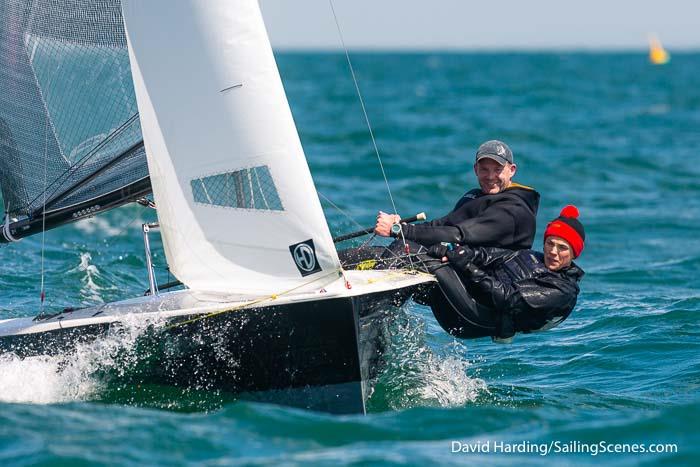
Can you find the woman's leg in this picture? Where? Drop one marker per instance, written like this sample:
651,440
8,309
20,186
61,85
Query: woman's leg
457,311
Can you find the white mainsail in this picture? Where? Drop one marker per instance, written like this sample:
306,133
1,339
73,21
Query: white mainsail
237,206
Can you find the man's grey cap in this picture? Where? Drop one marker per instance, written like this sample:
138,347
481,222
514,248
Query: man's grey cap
496,150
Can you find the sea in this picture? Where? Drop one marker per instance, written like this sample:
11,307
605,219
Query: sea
617,383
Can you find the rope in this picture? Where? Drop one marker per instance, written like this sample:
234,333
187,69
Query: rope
391,263
339,272
395,274
275,296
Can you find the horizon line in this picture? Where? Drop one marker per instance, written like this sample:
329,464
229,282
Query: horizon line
489,49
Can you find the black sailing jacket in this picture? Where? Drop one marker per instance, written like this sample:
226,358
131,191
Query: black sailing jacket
518,285
505,220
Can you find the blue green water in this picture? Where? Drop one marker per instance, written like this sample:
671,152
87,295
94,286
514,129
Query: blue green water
608,132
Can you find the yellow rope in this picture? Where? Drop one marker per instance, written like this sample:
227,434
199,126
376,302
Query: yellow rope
397,273
384,277
254,302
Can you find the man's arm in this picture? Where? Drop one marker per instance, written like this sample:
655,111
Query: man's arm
495,226
448,234
436,227
464,256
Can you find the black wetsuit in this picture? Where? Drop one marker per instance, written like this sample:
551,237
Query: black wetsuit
497,292
505,220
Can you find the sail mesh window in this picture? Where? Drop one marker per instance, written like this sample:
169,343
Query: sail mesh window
251,188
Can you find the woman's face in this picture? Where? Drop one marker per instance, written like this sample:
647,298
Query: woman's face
557,253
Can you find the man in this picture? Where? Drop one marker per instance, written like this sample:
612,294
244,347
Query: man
500,292
501,213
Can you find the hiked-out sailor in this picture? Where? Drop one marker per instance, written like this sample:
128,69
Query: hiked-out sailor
498,292
501,213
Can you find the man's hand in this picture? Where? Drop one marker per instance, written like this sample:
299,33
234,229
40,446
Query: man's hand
384,223
439,250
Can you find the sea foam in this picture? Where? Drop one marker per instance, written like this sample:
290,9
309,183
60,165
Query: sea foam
74,376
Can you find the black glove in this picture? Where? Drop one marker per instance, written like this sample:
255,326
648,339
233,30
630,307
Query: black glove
461,257
439,250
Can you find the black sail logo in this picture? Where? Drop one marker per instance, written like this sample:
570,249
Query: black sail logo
304,255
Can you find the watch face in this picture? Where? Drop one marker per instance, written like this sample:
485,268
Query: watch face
396,228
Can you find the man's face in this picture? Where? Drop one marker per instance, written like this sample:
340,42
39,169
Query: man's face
493,177
557,253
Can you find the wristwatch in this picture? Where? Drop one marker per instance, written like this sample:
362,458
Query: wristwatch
395,229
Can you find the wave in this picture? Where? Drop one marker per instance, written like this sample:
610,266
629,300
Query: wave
418,375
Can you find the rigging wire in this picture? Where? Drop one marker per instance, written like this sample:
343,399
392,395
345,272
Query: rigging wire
369,126
351,219
43,217
145,202
362,104
348,216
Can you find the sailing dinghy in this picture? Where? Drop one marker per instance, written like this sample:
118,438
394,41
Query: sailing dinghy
267,307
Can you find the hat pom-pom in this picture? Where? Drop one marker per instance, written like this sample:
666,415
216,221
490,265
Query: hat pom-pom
569,211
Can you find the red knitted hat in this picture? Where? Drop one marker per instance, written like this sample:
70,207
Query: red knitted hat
568,227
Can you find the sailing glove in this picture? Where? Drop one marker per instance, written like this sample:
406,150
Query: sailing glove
460,258
439,250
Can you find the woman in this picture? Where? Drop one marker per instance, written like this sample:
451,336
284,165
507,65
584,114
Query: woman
497,292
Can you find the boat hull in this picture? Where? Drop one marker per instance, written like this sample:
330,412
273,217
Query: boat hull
317,355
